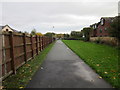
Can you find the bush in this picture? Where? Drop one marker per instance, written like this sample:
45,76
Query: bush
71,38
99,41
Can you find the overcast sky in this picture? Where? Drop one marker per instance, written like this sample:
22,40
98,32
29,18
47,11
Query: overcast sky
64,15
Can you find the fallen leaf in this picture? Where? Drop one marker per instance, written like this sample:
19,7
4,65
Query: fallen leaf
20,87
113,70
106,72
99,77
114,77
97,64
98,70
41,67
1,87
28,65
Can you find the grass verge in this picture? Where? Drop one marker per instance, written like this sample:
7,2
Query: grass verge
25,73
102,58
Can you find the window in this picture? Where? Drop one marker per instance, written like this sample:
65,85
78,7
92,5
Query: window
7,30
100,30
95,26
112,20
102,21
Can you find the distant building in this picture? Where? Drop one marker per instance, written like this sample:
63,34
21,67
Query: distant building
7,28
94,29
100,29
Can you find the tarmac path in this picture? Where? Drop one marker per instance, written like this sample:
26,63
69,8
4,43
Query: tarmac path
62,68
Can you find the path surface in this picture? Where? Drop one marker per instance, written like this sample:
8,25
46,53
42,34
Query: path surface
64,69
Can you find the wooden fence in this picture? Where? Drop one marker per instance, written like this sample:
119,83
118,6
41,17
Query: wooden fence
19,48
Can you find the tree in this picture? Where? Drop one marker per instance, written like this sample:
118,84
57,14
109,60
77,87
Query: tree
66,35
86,33
114,29
76,34
49,34
39,34
33,32
59,36
26,33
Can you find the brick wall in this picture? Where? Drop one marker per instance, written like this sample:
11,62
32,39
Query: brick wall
104,29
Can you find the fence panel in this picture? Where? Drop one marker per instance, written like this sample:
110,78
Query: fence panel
18,48
28,48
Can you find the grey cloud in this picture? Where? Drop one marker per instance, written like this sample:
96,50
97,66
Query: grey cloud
65,16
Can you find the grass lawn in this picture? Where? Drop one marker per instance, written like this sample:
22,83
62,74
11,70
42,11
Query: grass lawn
102,58
25,73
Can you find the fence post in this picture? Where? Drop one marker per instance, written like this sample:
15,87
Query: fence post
25,52
45,41
51,40
32,46
12,52
37,44
42,42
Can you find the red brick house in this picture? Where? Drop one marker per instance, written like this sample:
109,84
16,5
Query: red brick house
100,29
94,30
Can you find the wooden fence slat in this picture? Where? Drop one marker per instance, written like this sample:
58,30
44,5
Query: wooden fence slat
12,52
25,47
37,44
42,43
32,46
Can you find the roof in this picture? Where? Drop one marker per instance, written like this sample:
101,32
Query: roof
108,18
1,27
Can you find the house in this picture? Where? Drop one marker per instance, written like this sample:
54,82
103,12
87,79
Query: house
100,29
94,29
103,27
7,28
